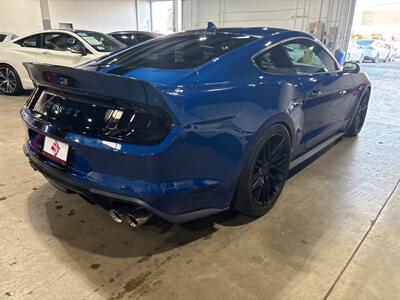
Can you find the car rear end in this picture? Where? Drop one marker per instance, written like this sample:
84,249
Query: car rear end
101,132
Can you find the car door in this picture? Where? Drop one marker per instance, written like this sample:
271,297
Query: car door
327,90
57,48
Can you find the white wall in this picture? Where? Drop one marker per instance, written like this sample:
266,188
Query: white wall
20,16
99,15
144,15
290,14
24,16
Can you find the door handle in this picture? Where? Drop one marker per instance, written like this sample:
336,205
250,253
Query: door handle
315,93
46,52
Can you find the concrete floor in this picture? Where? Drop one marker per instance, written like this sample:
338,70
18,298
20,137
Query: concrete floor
335,232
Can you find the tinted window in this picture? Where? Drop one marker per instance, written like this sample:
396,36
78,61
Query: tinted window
32,41
101,42
143,37
276,61
177,51
2,37
128,39
309,57
59,41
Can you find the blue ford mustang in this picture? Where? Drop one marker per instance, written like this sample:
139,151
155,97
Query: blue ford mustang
193,123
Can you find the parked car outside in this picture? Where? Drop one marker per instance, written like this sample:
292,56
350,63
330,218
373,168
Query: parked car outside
131,38
392,51
6,36
173,127
355,52
57,47
374,50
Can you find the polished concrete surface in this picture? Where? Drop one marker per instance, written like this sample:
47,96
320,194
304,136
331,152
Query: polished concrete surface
335,232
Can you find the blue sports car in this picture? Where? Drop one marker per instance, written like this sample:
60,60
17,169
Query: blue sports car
193,123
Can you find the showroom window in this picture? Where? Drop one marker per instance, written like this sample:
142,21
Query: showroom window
309,57
59,41
32,41
275,61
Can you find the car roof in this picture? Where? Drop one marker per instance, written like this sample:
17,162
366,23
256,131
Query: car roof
134,31
258,31
54,30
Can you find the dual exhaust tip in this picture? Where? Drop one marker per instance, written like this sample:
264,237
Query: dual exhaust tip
135,217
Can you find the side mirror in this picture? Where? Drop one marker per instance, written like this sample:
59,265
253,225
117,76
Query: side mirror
79,49
351,67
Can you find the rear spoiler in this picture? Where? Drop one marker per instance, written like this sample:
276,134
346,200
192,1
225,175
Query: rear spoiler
102,85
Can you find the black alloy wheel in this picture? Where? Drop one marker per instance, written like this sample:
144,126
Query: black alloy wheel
10,83
264,177
359,117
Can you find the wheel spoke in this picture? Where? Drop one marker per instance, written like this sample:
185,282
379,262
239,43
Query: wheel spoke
279,160
257,194
276,177
278,148
272,184
259,164
256,183
2,75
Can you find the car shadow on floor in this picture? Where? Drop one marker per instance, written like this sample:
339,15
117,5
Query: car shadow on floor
89,227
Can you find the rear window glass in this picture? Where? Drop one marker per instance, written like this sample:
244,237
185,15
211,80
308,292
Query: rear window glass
178,51
2,37
32,41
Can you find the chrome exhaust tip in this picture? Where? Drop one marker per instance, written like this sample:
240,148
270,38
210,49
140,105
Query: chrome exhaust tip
137,218
116,216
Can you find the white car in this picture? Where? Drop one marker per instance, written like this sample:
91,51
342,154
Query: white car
374,50
6,36
355,53
57,47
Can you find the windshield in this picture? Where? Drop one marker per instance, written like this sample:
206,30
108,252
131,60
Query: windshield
177,51
100,42
2,37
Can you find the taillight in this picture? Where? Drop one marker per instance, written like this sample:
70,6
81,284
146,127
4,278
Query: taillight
90,116
141,126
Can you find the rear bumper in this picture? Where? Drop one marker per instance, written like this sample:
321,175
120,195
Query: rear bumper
66,184
165,179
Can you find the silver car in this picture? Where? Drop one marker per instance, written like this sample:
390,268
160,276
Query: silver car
374,50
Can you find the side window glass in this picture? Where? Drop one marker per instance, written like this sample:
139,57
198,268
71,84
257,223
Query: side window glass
32,41
59,41
143,37
309,57
275,61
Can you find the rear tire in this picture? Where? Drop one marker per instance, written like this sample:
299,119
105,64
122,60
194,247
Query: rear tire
359,118
265,173
10,83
